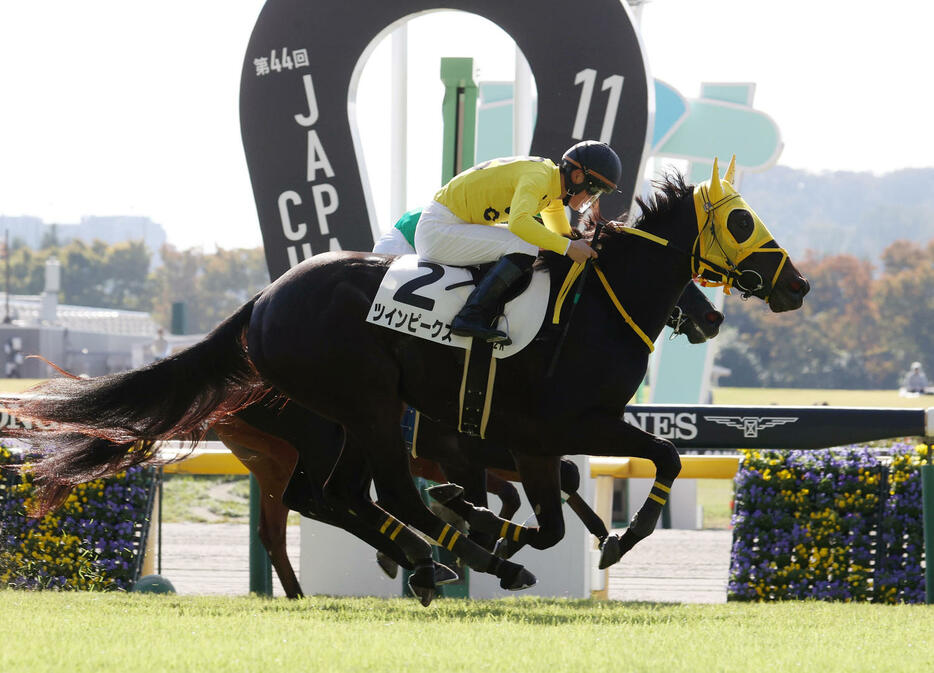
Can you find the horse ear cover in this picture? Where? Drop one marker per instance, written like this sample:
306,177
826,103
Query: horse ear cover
715,191
731,172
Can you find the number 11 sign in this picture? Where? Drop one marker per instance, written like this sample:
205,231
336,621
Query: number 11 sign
299,80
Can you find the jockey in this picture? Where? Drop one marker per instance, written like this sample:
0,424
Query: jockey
400,239
455,227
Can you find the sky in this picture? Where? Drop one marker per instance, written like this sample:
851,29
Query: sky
123,107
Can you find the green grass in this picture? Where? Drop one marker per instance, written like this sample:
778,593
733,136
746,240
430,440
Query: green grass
715,495
146,633
207,498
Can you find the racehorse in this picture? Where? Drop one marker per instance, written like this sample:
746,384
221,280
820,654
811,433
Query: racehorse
268,436
306,334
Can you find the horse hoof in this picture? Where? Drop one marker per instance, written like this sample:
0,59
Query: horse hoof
444,575
424,594
610,552
390,567
422,582
514,577
523,580
445,492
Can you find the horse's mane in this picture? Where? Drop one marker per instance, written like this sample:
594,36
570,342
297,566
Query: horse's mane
670,189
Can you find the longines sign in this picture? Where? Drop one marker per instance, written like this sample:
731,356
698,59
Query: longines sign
721,427
299,81
772,427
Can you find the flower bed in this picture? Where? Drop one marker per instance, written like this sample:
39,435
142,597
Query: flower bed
838,524
91,542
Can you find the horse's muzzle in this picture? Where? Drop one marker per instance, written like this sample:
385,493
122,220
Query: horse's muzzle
788,295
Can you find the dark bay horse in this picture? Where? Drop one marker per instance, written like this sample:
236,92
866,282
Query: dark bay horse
306,335
268,437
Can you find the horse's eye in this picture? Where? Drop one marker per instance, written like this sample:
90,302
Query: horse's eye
740,224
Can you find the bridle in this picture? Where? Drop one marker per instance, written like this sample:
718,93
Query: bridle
709,272
676,321
725,271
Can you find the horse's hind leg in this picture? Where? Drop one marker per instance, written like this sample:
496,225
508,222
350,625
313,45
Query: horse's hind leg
271,461
507,493
399,496
346,493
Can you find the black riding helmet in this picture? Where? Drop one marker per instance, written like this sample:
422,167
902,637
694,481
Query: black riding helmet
600,164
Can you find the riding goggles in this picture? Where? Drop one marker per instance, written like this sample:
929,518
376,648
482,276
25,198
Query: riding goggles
594,195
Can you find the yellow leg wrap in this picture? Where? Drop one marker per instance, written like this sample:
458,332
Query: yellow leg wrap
505,529
444,532
386,523
454,537
659,485
660,501
395,532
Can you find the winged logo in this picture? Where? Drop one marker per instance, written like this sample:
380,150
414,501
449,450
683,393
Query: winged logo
751,425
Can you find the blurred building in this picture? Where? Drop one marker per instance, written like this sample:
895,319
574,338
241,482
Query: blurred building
109,229
79,339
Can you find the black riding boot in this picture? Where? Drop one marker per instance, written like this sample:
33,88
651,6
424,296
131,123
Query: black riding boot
477,317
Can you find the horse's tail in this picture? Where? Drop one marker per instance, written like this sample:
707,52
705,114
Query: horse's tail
112,422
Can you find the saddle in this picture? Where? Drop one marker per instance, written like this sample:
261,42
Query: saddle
420,298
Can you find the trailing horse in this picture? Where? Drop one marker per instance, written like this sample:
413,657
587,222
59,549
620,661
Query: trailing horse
306,334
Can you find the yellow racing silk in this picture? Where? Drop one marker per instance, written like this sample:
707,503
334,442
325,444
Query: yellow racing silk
512,190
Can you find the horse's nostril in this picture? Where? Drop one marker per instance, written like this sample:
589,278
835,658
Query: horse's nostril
796,285
714,317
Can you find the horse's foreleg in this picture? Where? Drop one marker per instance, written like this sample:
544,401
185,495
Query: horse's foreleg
605,434
451,496
474,481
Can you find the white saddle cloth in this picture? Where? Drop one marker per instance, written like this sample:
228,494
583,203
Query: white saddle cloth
421,298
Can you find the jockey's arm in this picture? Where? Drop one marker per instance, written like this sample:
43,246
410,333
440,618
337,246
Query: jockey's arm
522,210
555,218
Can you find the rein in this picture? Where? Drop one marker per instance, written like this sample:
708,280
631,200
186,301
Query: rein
701,266
573,273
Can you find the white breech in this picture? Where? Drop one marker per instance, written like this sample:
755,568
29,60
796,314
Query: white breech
393,243
441,236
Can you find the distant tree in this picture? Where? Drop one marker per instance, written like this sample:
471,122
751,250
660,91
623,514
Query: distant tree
128,285
27,270
901,256
833,341
212,285
50,238
905,298
91,275
84,273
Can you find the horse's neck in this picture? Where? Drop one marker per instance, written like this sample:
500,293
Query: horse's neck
649,278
